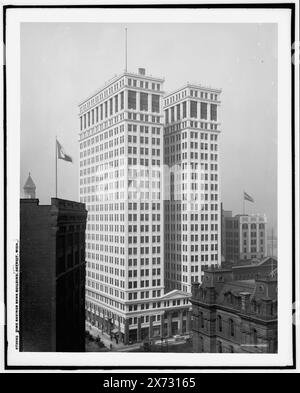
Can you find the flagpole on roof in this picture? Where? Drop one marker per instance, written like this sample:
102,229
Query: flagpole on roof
126,49
55,166
272,250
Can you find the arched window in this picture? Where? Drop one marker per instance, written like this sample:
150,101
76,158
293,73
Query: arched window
231,327
201,345
220,349
201,319
220,323
254,336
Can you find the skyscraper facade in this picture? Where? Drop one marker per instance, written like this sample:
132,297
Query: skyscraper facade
192,208
121,154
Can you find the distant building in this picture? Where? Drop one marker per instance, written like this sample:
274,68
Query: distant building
235,316
243,236
272,246
29,188
52,276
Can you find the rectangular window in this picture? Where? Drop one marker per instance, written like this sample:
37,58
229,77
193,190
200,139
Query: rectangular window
110,106
172,114
131,99
116,104
178,111
184,110
194,109
105,108
97,114
80,123
167,115
122,100
203,110
155,103
143,101
213,112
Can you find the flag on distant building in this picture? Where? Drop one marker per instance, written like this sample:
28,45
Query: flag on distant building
247,197
61,153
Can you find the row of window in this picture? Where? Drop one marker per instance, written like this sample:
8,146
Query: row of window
193,93
143,84
197,111
144,250
144,272
144,261
204,136
143,101
186,258
115,104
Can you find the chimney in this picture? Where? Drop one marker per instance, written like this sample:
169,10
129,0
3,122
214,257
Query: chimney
245,299
142,71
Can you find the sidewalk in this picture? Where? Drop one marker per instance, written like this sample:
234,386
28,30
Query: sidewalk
105,338
121,347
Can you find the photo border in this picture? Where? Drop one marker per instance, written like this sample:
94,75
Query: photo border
291,7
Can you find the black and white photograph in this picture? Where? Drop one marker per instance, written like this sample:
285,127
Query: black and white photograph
150,190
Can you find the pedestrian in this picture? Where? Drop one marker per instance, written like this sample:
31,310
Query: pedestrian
110,347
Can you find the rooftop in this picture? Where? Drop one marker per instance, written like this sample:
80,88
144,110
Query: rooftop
117,77
57,202
194,86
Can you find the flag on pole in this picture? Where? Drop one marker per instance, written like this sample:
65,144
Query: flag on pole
247,197
61,153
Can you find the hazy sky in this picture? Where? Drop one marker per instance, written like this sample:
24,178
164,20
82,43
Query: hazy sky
63,63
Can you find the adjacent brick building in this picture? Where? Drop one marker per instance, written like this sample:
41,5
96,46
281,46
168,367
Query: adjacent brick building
235,316
52,275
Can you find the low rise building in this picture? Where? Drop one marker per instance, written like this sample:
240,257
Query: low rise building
234,316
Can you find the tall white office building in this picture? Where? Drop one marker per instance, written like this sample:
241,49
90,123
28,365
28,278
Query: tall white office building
121,155
192,211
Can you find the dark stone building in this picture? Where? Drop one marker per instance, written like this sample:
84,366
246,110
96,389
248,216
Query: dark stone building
235,316
52,275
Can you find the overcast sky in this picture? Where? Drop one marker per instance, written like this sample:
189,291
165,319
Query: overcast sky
61,64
